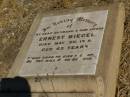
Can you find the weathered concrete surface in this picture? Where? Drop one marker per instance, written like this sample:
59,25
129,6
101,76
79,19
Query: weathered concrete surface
108,64
48,95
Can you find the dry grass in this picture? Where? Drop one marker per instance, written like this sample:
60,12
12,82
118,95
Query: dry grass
16,19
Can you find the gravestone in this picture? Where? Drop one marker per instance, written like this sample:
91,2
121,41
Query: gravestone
73,51
66,45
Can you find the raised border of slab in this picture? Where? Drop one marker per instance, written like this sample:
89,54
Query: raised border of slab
104,82
48,94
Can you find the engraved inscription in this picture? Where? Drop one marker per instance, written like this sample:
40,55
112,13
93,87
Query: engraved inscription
66,45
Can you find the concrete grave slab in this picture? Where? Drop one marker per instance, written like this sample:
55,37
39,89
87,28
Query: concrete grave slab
73,50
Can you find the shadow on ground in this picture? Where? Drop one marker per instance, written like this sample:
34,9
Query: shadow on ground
14,87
